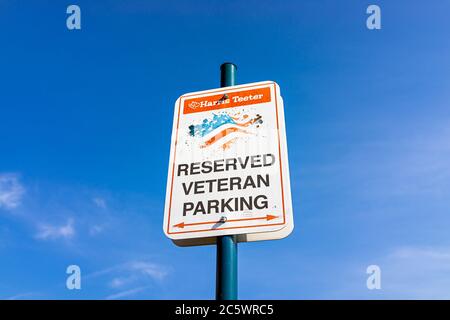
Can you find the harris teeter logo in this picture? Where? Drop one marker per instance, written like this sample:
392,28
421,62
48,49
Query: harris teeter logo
226,124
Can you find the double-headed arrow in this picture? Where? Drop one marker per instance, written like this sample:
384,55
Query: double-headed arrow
182,224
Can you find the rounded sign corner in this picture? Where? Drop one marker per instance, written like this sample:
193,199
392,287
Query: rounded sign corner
178,101
287,230
167,234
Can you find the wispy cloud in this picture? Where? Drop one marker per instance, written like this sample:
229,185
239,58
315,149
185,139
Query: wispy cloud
417,273
26,295
11,191
55,215
126,293
99,202
138,267
407,272
410,161
96,229
137,273
423,253
48,231
120,282
152,270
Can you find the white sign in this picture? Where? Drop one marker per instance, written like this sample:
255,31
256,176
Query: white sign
228,169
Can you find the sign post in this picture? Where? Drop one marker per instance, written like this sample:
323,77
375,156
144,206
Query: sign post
226,268
228,176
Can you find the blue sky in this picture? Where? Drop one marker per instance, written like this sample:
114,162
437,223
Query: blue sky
85,124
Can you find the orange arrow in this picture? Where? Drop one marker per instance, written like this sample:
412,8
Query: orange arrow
180,225
267,218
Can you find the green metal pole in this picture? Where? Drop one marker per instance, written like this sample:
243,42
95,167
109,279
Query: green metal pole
226,268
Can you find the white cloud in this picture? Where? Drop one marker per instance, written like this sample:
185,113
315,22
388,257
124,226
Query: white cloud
121,281
153,270
11,191
95,229
48,231
99,202
389,165
20,296
423,254
126,293
407,272
416,273
132,272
